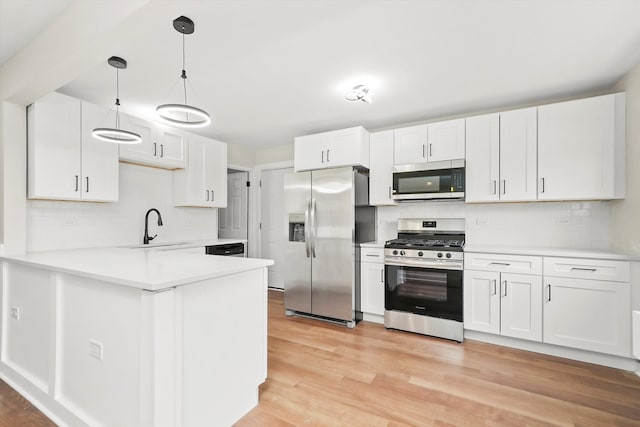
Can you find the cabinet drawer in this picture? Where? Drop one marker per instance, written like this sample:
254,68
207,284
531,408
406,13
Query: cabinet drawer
372,254
596,269
503,263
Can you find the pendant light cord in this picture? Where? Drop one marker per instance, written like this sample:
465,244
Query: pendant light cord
184,72
117,98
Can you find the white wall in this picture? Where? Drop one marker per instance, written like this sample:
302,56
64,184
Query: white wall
65,225
625,232
581,225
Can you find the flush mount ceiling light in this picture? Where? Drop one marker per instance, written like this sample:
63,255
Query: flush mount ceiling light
184,115
116,134
358,93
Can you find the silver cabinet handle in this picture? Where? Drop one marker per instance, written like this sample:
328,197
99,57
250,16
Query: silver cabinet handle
592,270
430,150
506,264
314,227
504,186
423,154
307,229
542,185
213,195
328,156
322,156
373,255
494,186
504,284
207,195
87,189
382,276
390,194
155,149
493,282
548,293
76,183
161,150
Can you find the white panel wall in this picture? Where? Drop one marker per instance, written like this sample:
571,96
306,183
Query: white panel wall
65,225
580,225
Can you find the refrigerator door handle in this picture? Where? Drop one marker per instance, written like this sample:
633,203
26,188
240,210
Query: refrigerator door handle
307,225
314,226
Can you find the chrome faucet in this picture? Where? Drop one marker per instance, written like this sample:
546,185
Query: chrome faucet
147,239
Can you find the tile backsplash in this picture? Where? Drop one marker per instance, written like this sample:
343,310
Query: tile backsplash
580,225
66,225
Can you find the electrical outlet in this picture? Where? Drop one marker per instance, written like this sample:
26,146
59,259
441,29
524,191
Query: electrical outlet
15,313
95,349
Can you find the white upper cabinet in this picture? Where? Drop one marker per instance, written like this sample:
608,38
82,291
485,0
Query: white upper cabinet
410,145
161,146
445,140
345,147
381,168
100,165
204,182
581,149
501,156
64,161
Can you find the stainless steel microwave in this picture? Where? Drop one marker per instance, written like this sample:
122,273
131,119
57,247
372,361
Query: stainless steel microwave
428,181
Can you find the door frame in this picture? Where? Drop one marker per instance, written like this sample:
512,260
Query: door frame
258,199
252,231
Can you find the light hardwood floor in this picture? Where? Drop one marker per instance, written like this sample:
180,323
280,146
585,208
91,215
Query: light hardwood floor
322,374
327,375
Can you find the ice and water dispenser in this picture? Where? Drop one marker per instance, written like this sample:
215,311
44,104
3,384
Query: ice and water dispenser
296,227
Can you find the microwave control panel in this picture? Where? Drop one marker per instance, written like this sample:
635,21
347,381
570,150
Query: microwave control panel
457,180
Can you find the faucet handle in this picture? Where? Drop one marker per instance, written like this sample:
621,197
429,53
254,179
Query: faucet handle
154,236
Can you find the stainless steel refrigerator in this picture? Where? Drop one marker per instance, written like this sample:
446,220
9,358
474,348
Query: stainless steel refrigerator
327,216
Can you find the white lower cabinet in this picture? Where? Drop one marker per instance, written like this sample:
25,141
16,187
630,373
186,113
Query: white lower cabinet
372,281
503,303
584,313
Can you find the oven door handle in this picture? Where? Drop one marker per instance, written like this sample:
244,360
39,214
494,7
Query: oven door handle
422,264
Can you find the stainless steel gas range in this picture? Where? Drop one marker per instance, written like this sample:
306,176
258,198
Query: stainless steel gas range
423,276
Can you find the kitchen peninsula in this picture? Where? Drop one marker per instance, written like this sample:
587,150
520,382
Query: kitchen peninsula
131,336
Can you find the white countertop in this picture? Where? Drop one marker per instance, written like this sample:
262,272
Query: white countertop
555,252
187,244
372,245
141,268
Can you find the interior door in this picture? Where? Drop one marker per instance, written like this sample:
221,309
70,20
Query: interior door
333,220
272,223
232,220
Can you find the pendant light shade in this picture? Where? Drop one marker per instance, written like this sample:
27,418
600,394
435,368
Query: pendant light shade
115,134
183,114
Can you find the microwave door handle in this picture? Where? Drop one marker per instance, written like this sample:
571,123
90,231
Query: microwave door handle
314,226
307,229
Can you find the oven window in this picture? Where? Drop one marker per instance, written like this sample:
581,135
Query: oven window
422,284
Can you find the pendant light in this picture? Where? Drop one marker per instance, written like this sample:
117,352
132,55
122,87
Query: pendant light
116,134
184,115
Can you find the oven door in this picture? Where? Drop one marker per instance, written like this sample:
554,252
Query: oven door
427,291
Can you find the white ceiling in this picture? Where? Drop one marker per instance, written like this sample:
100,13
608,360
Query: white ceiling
269,70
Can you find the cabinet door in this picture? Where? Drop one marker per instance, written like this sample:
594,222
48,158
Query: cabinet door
588,314
215,171
482,301
54,139
381,169
576,148
171,147
143,152
309,152
345,147
446,140
521,306
99,159
410,145
518,155
372,286
482,165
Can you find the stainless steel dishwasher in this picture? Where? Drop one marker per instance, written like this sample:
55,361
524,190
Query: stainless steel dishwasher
226,249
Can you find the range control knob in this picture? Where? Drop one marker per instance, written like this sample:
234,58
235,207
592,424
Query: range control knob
395,252
439,254
420,253
402,252
448,255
